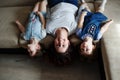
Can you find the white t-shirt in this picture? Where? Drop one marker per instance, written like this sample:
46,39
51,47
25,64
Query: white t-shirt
61,15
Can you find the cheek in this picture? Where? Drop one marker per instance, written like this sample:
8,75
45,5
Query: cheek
90,46
55,42
67,42
81,46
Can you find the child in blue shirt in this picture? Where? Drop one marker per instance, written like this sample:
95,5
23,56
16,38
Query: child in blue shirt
35,29
91,27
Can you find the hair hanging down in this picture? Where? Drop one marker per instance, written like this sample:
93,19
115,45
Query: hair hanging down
83,57
60,59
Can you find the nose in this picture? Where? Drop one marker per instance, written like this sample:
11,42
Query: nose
60,42
84,45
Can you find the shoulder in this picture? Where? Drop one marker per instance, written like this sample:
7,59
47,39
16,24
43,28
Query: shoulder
78,31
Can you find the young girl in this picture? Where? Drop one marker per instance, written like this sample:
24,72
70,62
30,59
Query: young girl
91,27
35,29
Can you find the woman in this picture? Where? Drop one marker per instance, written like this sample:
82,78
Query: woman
60,24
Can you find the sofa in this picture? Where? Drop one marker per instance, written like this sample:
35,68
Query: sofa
19,9
110,43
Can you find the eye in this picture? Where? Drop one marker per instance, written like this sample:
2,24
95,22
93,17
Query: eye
57,45
87,49
82,50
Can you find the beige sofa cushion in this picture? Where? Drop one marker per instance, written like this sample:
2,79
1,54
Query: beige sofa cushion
9,32
111,42
8,3
4,3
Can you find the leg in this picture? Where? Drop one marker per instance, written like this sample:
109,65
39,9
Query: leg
20,26
36,8
102,6
106,26
82,1
82,6
42,6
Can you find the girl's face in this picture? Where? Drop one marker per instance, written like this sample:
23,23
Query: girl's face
61,41
33,49
61,44
86,48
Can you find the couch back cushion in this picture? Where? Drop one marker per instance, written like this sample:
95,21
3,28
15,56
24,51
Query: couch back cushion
8,3
11,3
9,31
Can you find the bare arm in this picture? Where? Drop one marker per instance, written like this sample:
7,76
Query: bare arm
20,26
81,19
105,26
42,19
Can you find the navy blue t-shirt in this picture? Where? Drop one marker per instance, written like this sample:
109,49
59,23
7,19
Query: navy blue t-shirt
92,25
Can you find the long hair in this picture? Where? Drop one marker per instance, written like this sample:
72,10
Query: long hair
60,58
86,57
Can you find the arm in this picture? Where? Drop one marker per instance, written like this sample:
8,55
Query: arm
20,26
105,26
81,19
42,19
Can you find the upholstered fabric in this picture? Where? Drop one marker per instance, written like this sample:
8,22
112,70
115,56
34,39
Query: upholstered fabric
11,3
9,32
110,43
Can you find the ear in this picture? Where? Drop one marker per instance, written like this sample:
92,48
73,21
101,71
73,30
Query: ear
93,47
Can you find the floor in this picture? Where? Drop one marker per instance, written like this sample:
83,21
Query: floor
19,66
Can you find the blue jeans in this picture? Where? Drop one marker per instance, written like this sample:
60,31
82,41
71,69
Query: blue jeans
52,3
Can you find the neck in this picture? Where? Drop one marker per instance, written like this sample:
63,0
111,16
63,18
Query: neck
90,39
34,41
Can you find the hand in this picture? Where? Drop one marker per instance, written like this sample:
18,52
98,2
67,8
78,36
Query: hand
37,12
17,22
111,21
84,13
